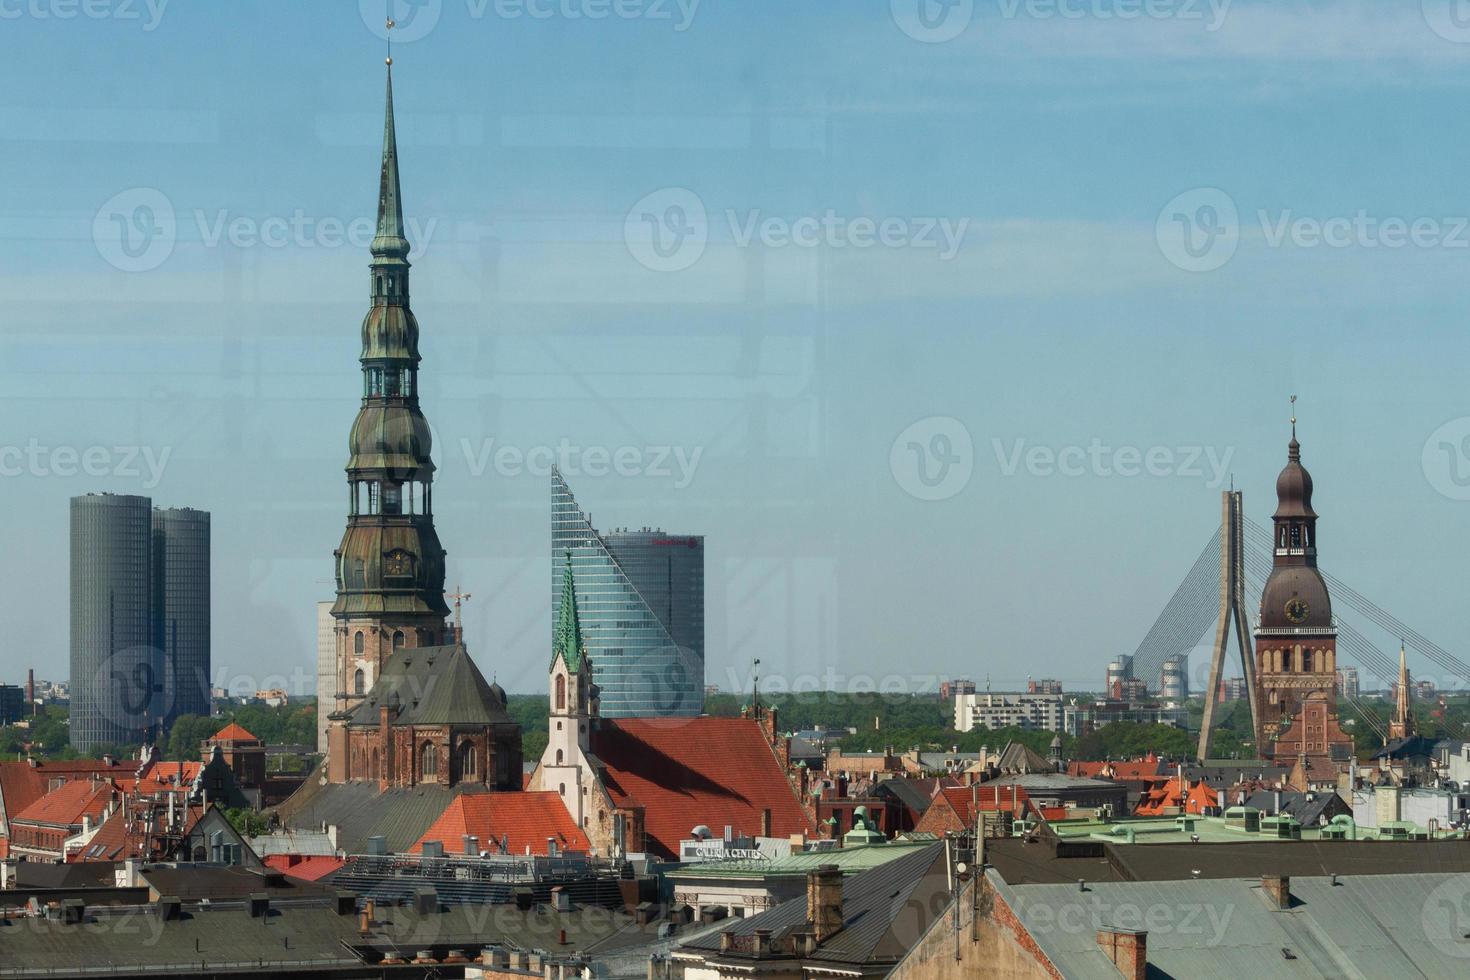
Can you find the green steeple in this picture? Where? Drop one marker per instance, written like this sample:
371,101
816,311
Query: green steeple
567,642
389,241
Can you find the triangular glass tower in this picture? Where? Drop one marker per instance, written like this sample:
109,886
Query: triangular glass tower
640,606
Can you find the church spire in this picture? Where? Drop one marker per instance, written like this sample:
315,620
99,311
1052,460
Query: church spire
389,241
1402,725
567,642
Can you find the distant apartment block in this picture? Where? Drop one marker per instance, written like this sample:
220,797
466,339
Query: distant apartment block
948,689
12,704
1079,719
1347,682
993,710
1046,685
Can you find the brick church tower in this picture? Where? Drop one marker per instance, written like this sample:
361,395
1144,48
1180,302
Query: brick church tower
1296,640
411,706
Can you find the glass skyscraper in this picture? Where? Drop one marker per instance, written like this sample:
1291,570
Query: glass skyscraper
139,618
640,600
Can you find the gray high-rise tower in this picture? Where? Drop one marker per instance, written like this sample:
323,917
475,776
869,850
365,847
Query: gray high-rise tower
139,618
640,601
180,599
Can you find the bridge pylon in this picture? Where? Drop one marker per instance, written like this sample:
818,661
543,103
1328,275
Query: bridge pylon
1232,610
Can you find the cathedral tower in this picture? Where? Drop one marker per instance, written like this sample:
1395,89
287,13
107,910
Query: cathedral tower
390,565
1296,641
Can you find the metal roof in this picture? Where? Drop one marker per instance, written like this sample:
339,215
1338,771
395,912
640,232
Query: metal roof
1360,926
850,859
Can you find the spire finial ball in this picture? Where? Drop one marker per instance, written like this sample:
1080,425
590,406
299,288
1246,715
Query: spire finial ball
388,62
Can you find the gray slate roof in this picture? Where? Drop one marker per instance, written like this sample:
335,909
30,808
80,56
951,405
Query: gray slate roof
1371,926
361,811
432,686
885,911
1308,812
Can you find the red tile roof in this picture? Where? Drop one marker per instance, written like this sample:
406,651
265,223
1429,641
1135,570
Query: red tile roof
67,805
690,771
990,799
233,733
22,783
1170,796
1135,771
526,819
306,867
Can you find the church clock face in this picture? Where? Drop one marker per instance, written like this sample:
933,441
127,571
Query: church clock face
1297,609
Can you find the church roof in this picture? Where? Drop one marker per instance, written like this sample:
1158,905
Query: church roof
432,686
518,819
689,771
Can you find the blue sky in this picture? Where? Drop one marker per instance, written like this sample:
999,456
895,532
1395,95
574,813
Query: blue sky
890,263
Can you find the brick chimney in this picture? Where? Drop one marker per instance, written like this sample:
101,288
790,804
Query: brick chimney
1278,890
824,902
1128,949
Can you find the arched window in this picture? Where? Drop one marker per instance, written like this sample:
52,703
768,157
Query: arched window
558,756
398,640
561,692
373,773
357,643
429,760
468,763
359,681
563,789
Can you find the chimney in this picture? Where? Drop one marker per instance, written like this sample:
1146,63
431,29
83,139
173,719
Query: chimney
1128,949
259,904
766,822
1278,890
824,902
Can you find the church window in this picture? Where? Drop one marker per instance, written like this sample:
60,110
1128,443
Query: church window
563,789
372,498
561,692
398,639
558,757
393,378
357,643
430,760
359,681
374,381
468,764
392,499
1296,535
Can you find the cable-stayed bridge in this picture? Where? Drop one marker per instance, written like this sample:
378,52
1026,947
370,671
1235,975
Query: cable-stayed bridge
1197,605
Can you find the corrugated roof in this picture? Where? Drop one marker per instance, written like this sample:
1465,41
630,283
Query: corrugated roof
852,860
1362,926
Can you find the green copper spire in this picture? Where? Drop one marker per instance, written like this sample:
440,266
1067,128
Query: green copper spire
567,643
389,241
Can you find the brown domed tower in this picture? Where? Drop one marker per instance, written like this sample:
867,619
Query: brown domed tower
390,566
1296,639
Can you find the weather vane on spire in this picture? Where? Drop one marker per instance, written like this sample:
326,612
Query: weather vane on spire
389,35
1293,416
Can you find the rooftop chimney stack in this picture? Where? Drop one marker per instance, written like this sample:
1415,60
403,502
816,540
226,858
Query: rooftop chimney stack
1128,949
1278,890
824,902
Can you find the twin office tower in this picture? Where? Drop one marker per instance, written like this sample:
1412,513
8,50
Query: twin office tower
139,618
